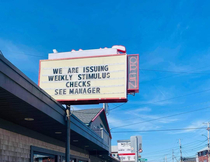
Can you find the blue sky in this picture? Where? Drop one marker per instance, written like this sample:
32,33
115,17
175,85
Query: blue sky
168,35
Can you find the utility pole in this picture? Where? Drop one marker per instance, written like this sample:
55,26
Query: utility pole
106,107
208,138
180,146
68,131
172,155
166,158
208,141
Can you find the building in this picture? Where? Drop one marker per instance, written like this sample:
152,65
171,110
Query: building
189,159
203,155
126,150
33,125
96,120
114,152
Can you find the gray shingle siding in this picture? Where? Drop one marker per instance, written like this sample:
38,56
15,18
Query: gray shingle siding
86,115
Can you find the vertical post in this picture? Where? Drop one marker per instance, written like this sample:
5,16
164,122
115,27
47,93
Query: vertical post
137,150
208,139
105,106
172,155
208,142
165,158
180,150
68,114
102,133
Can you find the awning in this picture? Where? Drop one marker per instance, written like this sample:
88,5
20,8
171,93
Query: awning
20,98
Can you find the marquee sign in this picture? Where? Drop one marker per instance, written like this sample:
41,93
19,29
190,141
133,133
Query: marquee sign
91,79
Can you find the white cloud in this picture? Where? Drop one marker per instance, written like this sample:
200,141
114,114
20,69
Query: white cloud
21,56
139,122
158,99
161,120
179,68
138,110
195,124
118,122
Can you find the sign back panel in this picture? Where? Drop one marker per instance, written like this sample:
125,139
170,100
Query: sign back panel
85,80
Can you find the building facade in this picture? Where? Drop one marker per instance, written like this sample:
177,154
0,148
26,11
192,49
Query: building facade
114,152
128,150
203,155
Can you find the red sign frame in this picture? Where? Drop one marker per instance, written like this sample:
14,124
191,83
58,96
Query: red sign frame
133,73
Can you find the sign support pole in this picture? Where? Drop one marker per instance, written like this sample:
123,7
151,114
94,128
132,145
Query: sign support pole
68,131
137,150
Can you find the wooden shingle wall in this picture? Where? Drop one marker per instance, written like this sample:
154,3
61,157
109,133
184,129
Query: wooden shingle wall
15,147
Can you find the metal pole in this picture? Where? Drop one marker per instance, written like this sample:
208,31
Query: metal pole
208,142
68,114
172,155
180,150
137,157
208,139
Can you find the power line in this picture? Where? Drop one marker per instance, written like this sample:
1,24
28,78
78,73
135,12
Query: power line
201,103
161,117
168,71
117,106
188,94
185,146
197,147
168,150
177,74
81,111
172,98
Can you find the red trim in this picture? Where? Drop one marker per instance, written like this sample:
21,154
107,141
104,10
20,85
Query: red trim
97,115
103,110
127,76
133,90
138,72
94,99
107,125
126,154
136,90
82,102
124,51
86,57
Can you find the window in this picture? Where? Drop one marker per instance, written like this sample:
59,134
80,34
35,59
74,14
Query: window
42,157
101,125
203,153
